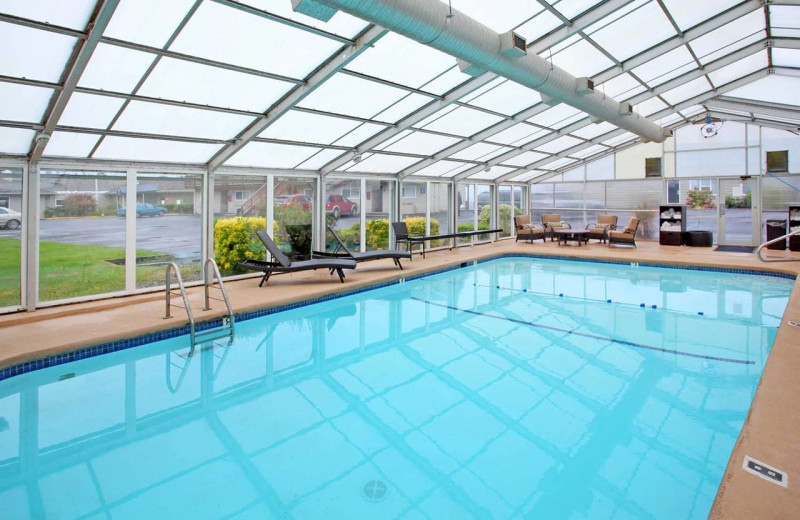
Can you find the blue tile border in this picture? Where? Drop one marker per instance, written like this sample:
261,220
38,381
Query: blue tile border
123,344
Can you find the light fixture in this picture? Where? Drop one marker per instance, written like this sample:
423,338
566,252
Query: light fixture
356,157
487,168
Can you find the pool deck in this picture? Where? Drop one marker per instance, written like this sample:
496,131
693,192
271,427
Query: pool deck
771,433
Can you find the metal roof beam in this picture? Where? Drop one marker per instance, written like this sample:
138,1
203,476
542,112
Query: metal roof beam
72,74
333,65
758,107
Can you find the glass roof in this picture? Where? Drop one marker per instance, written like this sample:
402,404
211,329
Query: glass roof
179,81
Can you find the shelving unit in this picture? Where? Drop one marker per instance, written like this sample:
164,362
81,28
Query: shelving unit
671,224
794,223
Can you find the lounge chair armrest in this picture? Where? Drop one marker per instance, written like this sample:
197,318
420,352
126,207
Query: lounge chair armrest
569,226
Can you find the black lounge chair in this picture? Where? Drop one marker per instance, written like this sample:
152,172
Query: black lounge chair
284,265
341,251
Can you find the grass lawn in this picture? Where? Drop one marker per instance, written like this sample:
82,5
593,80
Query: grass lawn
69,270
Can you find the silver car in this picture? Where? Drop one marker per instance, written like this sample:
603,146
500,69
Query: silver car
10,219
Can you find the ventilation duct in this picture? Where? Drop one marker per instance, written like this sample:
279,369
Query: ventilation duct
432,23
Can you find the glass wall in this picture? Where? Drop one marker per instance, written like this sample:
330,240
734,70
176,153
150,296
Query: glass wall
441,209
777,195
11,224
343,203
81,234
293,214
467,211
701,199
168,226
240,209
639,199
414,206
379,201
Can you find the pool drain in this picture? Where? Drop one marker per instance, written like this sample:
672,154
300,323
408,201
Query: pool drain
375,490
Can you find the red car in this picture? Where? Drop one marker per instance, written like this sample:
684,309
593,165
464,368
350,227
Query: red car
340,205
304,201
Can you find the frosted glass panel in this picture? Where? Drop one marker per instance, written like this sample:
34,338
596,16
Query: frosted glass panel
170,120
732,36
70,144
463,121
508,98
421,143
600,169
580,59
688,13
90,111
667,66
556,117
36,54
309,128
593,130
651,106
229,35
786,57
23,103
341,23
319,159
559,145
516,135
741,68
500,15
447,81
710,162
402,108
443,168
621,87
74,13
271,155
777,89
155,150
115,69
687,90
525,159
359,134
635,32
540,25
195,83
15,140
589,151
149,22
480,152
352,96
380,163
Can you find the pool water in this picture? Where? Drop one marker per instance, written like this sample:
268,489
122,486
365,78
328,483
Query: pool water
515,388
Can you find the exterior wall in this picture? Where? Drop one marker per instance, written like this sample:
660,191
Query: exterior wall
630,162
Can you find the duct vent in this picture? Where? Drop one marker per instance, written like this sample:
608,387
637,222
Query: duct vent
513,45
468,68
313,9
584,86
625,109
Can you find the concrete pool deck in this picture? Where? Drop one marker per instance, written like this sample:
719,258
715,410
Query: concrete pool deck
771,433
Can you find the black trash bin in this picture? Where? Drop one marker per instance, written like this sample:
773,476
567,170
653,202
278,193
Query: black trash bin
776,229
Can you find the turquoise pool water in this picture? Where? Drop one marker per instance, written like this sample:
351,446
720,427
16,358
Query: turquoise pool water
507,390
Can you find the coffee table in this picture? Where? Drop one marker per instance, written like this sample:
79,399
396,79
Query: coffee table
581,236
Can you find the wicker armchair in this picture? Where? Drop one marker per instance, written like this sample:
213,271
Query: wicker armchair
600,230
625,236
526,230
553,222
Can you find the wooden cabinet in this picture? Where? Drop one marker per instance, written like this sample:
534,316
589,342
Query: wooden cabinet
671,224
794,225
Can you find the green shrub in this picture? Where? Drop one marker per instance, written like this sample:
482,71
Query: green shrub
505,217
235,240
698,198
377,234
739,202
349,235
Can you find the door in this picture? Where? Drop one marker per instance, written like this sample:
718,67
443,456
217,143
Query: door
738,212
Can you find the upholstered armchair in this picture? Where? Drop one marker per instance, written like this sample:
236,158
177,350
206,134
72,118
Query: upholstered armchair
553,222
525,230
627,235
600,229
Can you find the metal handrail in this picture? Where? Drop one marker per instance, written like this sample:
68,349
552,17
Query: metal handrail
208,283
774,240
170,267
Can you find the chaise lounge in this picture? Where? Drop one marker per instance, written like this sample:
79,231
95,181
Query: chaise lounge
282,264
341,251
626,235
526,230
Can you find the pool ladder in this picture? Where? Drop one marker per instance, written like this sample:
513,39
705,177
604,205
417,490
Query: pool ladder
227,327
768,242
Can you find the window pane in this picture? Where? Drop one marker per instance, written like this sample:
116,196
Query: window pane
240,202
343,206
84,254
168,226
10,233
414,206
379,206
293,213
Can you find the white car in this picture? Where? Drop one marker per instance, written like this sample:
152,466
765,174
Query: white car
10,219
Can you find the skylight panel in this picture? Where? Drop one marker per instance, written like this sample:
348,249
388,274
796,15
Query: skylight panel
436,115
148,22
74,14
36,54
561,163
786,57
524,159
650,106
154,118
729,37
400,60
442,168
309,128
572,8
319,159
342,23
421,143
540,25
186,81
23,103
446,81
593,130
670,119
134,149
463,121
508,98
773,88
581,59
588,152
740,68
784,18
229,35
271,155
688,13
359,134
557,117
692,111
559,145
620,139
623,86
400,109
115,69
498,15
670,65
639,30
686,91
382,163
70,144
90,111
493,173
517,134
15,140
480,152
352,96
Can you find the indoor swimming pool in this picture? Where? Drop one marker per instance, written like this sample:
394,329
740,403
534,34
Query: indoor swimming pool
509,389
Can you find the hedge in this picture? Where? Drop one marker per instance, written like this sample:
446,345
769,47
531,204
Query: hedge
235,240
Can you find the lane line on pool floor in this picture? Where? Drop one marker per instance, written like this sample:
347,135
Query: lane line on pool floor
587,335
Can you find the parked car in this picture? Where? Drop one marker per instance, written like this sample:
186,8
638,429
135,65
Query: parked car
340,205
10,219
143,209
298,199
